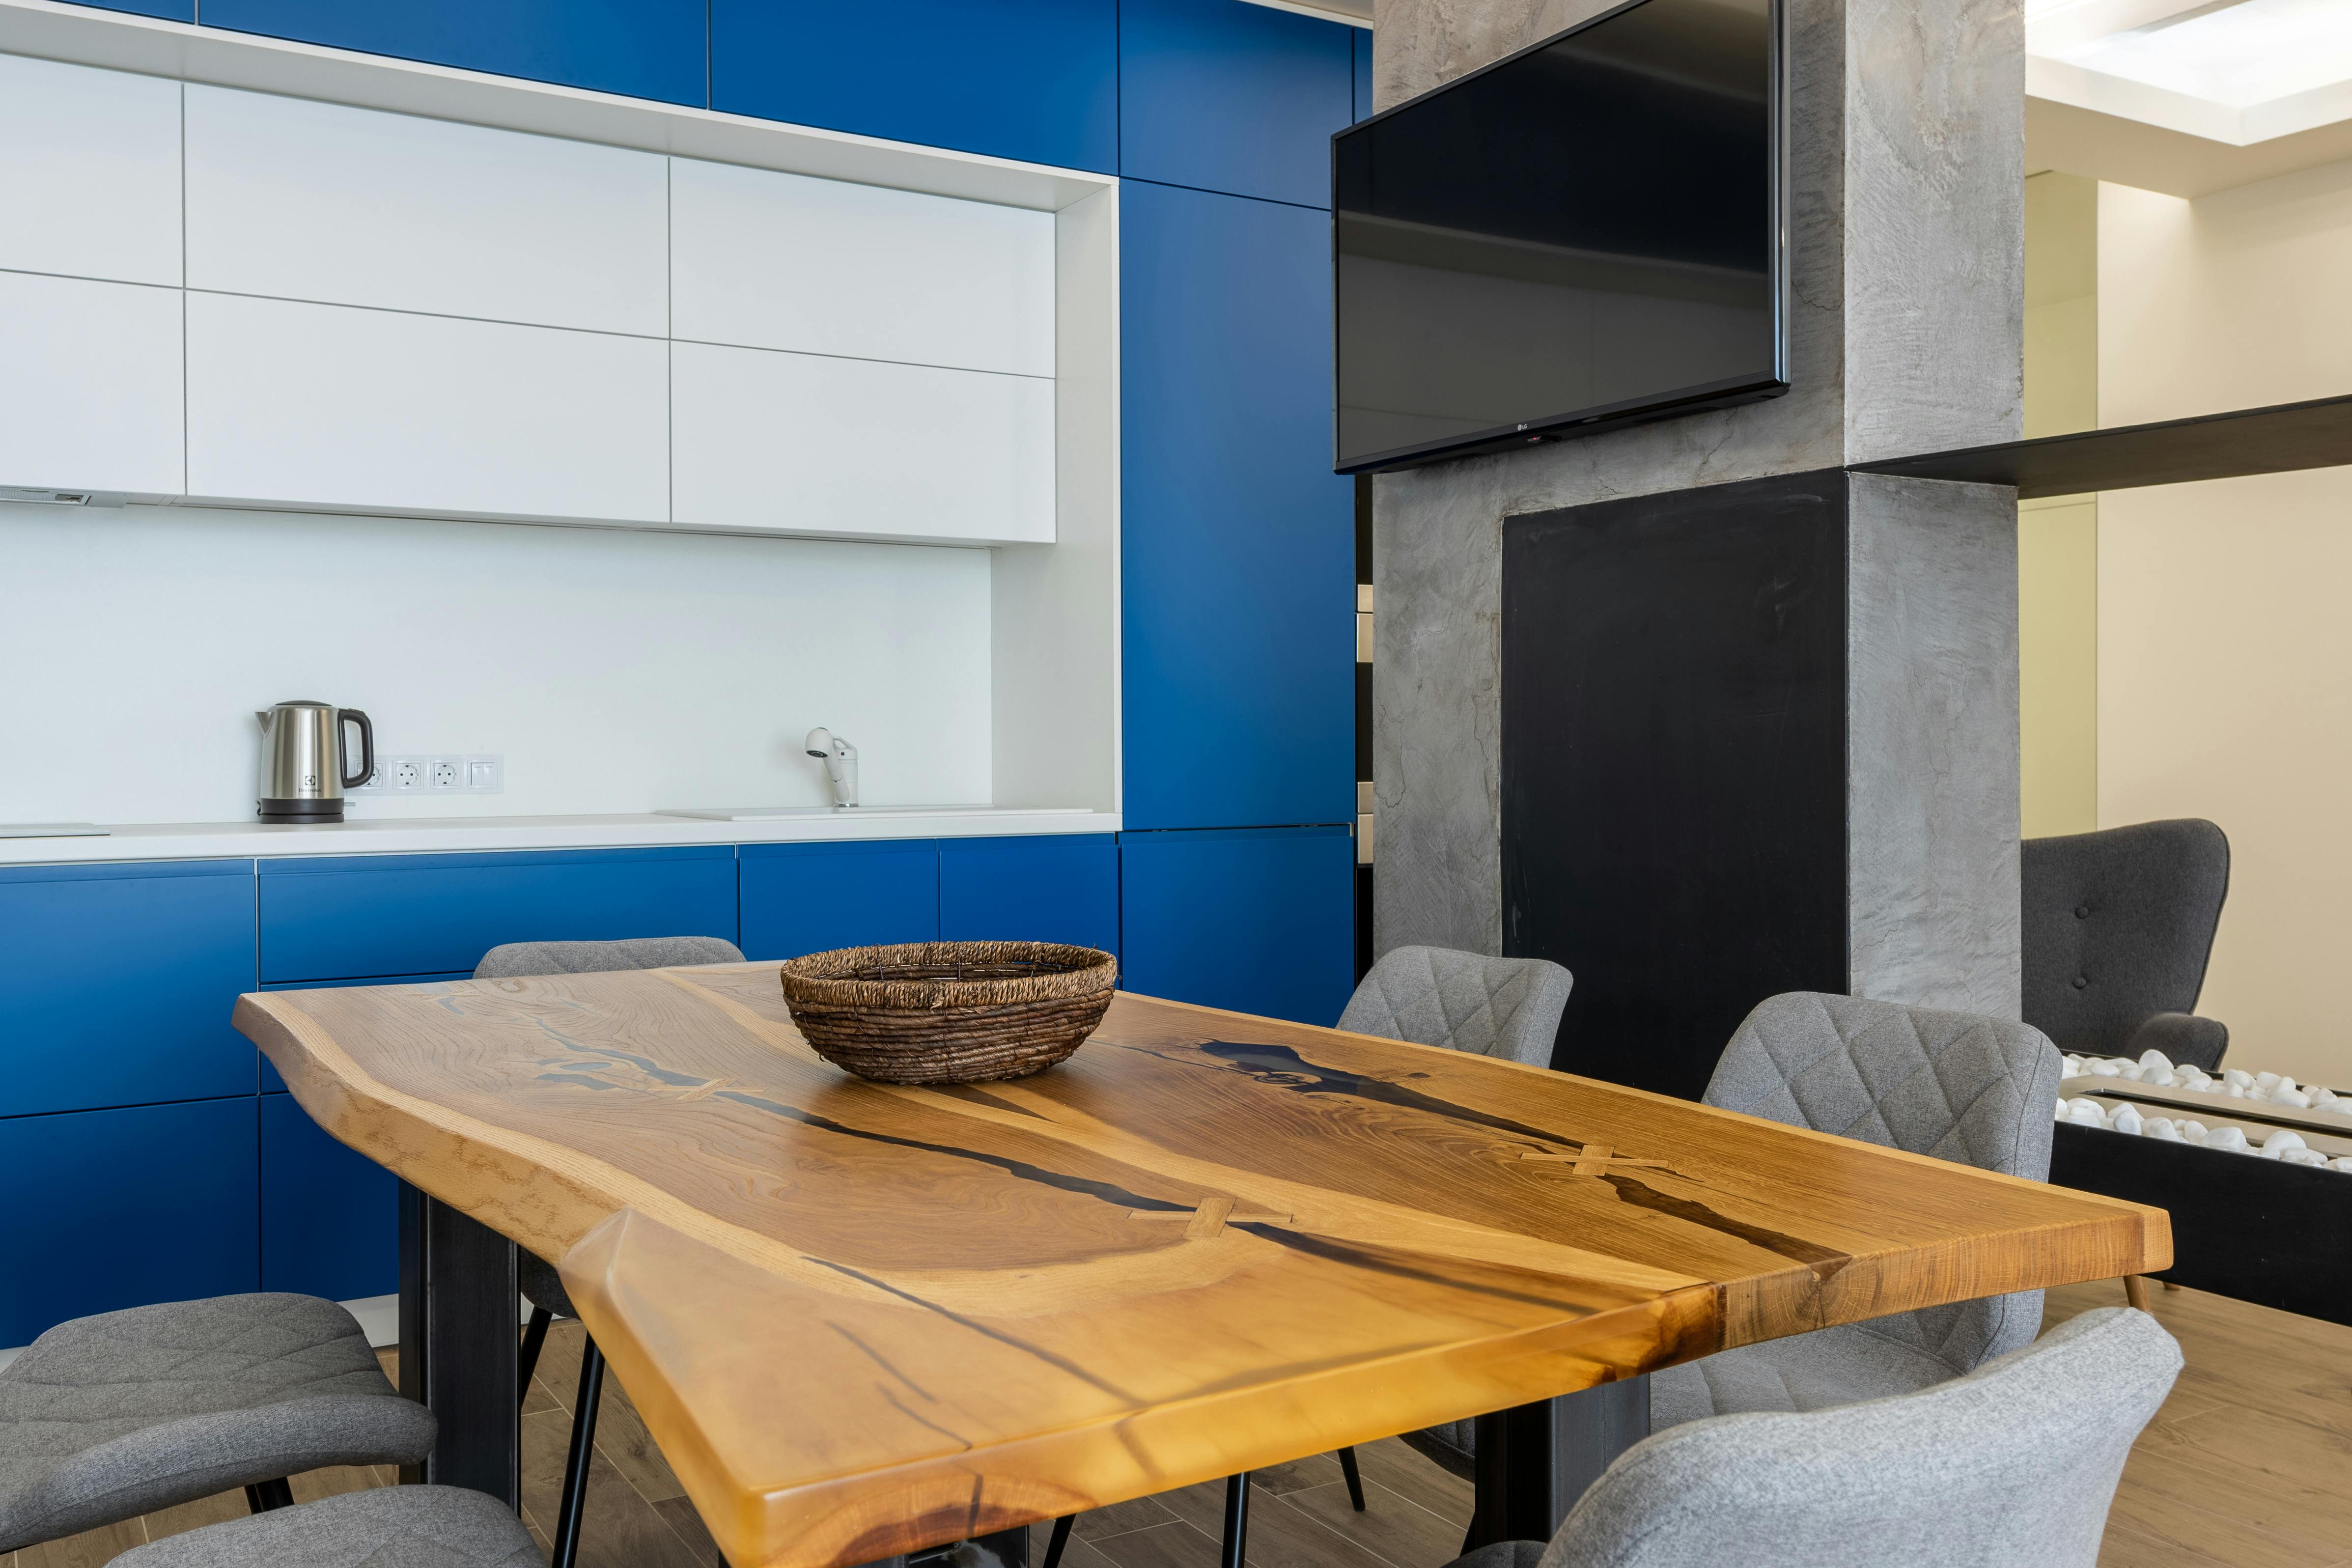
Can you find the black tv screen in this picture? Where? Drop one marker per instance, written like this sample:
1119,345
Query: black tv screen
1586,234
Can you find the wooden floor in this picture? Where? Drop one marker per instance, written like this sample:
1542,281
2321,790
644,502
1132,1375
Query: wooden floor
2246,1465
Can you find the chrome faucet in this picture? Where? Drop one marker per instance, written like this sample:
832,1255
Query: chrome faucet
840,759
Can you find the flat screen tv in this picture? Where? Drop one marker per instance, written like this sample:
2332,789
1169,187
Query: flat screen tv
1588,233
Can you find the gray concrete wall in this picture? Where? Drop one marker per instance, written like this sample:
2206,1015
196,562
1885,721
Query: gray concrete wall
1905,153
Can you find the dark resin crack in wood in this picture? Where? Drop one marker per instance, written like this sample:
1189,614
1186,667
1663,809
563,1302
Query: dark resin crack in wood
861,1318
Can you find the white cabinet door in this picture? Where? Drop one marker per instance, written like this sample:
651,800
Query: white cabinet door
89,172
784,261
811,445
362,410
89,386
317,201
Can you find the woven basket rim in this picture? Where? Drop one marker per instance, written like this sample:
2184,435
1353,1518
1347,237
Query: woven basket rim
827,979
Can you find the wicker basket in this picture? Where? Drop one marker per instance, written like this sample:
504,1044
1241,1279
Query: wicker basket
950,1011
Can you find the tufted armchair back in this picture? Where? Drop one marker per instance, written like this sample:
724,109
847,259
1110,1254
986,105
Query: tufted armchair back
1506,1007
2116,928
521,959
1957,1085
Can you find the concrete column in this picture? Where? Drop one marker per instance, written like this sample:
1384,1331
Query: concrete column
1906,237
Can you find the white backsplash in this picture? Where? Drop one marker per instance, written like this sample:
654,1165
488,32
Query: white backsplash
614,671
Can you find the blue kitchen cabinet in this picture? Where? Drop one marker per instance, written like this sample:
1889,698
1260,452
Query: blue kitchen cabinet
1033,80
170,10
1257,921
344,916
1237,542
1226,96
121,1208
808,898
644,48
1051,887
117,982
329,1217
1363,72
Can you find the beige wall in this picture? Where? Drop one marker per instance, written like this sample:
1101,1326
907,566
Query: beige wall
2224,643
2058,537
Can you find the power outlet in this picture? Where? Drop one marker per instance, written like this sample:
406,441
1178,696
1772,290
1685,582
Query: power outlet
445,774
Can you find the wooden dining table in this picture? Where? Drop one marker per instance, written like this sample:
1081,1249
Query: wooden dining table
863,1319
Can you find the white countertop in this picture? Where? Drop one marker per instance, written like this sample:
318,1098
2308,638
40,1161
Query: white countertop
445,835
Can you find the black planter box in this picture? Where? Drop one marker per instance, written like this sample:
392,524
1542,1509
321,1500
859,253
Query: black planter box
2260,1230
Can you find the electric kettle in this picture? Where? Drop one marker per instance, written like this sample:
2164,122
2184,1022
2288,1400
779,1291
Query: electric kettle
303,776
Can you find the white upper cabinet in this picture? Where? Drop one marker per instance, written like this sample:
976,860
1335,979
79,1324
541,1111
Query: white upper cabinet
89,386
315,200
298,404
815,445
782,261
89,172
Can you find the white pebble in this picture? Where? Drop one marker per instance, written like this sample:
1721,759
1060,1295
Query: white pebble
2282,1139
2086,1114
2152,1057
2161,1128
2232,1139
2242,1079
2061,1116
2291,1097
2341,1165
2270,1079
2302,1157
2070,1065
2128,1120
2193,1129
2234,1090
2106,1069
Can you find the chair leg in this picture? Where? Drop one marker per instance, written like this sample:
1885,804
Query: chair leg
1060,1539
1355,1478
263,1496
1236,1542
534,1339
566,1552
2135,1291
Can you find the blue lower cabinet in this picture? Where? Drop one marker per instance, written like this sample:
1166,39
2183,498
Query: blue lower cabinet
329,1218
1258,920
344,916
117,982
808,898
1063,887
121,1208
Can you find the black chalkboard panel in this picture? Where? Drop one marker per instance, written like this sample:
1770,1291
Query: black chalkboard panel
1673,765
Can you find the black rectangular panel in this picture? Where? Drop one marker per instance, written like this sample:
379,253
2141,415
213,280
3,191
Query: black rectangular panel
1585,233
1673,765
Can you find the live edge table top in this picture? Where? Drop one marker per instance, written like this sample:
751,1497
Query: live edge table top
862,1319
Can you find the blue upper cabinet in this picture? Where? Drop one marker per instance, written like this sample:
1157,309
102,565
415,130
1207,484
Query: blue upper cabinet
339,916
1056,888
1363,73
812,898
1261,921
1033,80
1226,96
644,48
117,982
1237,541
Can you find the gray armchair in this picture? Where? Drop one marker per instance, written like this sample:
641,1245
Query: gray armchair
2116,928
2013,1466
383,1527
1506,1007
1957,1085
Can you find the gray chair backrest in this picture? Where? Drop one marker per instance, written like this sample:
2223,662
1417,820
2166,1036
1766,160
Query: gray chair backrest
1959,1085
518,960
2117,925
1506,1007
2013,1466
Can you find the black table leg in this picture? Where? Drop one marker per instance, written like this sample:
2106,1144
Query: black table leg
1534,1460
457,1346
1011,1546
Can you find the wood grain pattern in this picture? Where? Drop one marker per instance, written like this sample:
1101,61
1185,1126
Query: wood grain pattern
862,1318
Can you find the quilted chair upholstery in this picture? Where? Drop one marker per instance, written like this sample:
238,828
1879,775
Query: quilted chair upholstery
2013,1466
517,960
384,1527
1957,1085
108,1417
1506,1007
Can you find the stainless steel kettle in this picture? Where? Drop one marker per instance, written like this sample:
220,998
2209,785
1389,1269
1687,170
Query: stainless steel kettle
303,776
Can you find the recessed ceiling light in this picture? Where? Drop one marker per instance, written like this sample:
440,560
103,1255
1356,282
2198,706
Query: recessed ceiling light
2240,55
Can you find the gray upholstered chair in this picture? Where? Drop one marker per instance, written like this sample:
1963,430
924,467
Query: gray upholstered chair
540,1285
2116,928
1957,1085
108,1418
2013,1466
1506,1007
384,1527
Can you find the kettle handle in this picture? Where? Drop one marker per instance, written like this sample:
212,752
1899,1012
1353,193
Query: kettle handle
367,746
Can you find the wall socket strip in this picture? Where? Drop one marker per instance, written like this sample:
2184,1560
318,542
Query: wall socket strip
440,774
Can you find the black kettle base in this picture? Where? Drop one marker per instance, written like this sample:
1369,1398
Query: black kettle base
300,810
